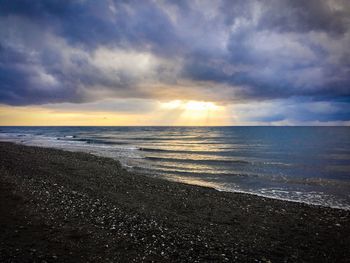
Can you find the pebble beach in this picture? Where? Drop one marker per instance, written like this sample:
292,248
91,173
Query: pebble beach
60,206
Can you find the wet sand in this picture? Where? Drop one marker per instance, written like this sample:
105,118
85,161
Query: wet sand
60,206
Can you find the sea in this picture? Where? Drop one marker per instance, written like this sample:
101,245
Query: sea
301,164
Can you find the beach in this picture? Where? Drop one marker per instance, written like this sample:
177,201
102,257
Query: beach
61,206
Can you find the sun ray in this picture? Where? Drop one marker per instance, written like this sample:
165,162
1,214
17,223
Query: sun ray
194,112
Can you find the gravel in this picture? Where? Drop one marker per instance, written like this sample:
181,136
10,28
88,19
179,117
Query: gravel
60,206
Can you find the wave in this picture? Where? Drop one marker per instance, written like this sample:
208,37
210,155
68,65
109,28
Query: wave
145,149
94,141
158,138
199,173
216,161
206,161
319,182
70,136
205,175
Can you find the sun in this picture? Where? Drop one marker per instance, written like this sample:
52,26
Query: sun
192,112
200,106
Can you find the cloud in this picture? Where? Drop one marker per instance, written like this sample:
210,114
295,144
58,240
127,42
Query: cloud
292,111
329,16
225,51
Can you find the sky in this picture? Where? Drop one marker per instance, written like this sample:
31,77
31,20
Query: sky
224,62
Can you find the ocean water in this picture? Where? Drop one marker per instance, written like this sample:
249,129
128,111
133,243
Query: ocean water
303,164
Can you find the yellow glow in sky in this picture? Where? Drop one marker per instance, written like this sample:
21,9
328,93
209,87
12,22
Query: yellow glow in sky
37,116
196,112
172,113
191,105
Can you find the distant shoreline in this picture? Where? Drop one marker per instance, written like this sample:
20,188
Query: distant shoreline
76,207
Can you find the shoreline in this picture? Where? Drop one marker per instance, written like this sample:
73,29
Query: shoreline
263,196
346,208
95,210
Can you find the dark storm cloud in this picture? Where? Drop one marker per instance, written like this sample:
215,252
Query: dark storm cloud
17,84
93,23
304,16
72,51
275,46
